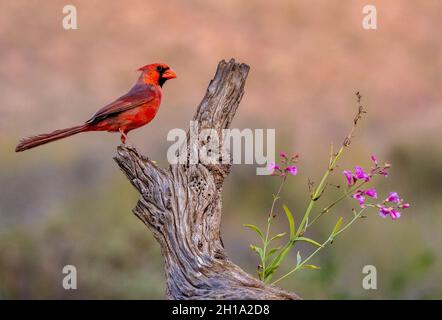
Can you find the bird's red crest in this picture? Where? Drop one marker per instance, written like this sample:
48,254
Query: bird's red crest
152,66
144,68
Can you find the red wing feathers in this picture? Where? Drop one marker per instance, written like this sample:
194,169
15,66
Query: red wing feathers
138,95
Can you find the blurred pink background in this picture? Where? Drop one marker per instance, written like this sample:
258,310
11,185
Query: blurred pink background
67,203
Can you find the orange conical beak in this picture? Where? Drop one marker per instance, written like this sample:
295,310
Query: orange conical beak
169,74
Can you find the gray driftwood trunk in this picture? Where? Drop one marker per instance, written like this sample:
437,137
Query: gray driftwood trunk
182,206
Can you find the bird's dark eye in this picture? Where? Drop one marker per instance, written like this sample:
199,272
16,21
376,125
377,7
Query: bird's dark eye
160,69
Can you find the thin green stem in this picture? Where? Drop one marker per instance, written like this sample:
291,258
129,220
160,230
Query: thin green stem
318,191
329,239
332,164
269,223
345,195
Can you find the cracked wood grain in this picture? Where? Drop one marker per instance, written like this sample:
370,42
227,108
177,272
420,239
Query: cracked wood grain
182,206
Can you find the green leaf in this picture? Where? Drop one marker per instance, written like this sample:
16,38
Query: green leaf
289,215
279,235
268,273
311,266
278,259
271,269
298,258
256,229
309,241
273,251
337,226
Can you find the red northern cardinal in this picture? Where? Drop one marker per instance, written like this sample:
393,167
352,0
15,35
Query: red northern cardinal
132,110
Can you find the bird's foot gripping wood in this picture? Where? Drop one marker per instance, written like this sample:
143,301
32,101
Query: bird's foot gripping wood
182,207
123,137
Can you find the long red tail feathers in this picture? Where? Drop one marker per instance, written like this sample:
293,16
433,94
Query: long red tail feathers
40,139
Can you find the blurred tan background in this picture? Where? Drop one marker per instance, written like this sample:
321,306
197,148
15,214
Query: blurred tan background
67,202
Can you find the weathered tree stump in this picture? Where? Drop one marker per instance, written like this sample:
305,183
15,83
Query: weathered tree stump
182,206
